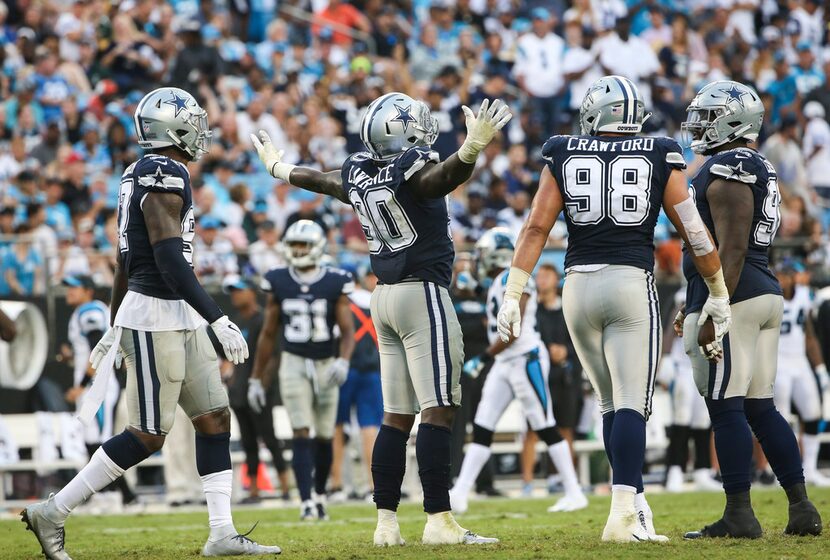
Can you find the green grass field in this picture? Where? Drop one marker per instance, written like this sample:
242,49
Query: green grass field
526,530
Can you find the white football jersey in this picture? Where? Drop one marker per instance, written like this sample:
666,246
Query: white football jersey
87,318
796,310
529,338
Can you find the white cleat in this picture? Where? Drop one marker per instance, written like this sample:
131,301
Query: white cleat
646,518
308,511
442,528
234,544
815,478
49,533
625,528
388,532
705,483
458,501
674,479
569,503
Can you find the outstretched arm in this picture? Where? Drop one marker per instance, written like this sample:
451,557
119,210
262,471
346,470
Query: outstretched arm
545,210
438,180
329,183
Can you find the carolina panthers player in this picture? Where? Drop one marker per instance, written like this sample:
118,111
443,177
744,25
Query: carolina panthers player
87,324
398,187
307,302
736,193
611,184
690,419
520,371
160,319
799,355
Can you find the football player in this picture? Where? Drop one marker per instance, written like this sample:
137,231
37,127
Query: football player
520,371
307,302
87,324
736,193
398,187
799,355
160,324
690,419
612,184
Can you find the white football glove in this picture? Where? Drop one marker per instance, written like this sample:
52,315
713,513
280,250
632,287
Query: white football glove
509,319
483,127
271,157
256,395
718,309
338,371
101,349
231,339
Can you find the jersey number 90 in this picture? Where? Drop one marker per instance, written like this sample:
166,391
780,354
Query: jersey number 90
384,222
595,190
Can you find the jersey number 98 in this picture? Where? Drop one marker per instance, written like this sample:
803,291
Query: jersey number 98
596,190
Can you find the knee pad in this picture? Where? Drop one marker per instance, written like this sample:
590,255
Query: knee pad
811,428
482,436
550,436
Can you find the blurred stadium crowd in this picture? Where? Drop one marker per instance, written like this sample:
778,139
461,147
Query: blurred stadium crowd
304,70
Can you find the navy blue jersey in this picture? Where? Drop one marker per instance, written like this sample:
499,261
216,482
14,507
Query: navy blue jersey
612,187
308,309
747,166
409,237
151,173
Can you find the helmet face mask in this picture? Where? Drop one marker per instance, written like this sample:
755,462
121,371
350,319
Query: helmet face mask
168,117
395,122
304,244
722,112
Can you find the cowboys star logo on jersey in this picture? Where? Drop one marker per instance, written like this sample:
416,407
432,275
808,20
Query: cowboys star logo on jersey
161,179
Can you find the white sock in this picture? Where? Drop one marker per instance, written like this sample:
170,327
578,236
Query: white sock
640,503
560,454
95,476
387,515
217,489
474,459
622,499
810,446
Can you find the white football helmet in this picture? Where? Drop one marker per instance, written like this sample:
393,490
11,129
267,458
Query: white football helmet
170,116
304,244
494,251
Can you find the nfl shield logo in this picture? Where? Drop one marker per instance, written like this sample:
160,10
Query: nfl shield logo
616,110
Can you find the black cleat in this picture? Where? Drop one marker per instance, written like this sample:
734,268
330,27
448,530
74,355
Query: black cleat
804,519
735,524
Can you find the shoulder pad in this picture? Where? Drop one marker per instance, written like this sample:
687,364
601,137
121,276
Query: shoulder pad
92,318
161,174
269,279
345,278
551,145
414,159
674,153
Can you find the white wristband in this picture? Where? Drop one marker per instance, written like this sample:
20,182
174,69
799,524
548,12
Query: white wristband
467,152
516,282
821,369
282,170
717,285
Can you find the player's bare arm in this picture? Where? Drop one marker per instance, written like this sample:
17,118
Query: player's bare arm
546,207
345,323
119,288
731,204
260,378
162,216
681,210
329,183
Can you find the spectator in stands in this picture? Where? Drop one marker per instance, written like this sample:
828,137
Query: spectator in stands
253,427
341,14
627,55
816,150
22,267
361,391
213,255
539,72
311,209
783,89
46,151
784,152
265,254
808,76
514,217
